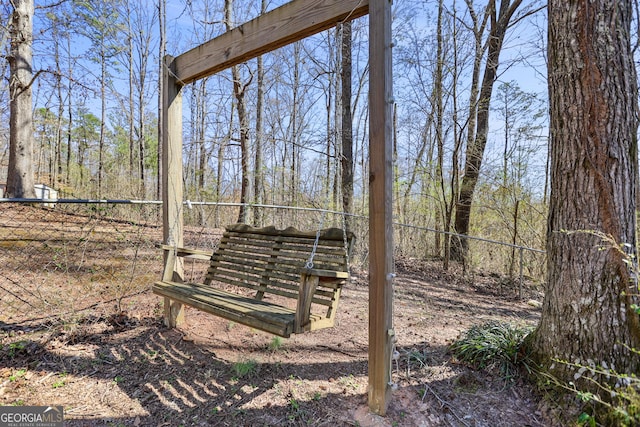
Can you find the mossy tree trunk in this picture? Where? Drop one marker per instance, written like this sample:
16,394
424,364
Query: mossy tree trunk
587,316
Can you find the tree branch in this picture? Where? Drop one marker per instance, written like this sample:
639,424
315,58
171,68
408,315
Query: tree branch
28,86
48,6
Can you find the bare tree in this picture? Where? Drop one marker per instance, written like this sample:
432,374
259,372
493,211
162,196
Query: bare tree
500,19
102,27
433,61
57,26
258,174
347,122
70,87
520,114
239,90
20,171
162,51
137,30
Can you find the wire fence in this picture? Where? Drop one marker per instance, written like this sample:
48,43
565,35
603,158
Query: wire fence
61,257
515,262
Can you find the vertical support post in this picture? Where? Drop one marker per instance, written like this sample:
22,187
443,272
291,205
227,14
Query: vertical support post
172,191
381,334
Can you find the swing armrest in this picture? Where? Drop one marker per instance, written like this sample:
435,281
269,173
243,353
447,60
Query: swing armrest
309,279
308,285
329,274
187,252
171,255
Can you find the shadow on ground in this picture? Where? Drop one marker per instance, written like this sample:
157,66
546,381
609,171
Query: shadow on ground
161,378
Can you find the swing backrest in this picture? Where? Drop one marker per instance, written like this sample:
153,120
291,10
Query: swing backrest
267,262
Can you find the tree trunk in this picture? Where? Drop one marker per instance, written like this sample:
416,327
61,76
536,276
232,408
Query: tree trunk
103,118
222,148
143,28
476,145
587,316
67,179
129,113
57,175
438,100
331,86
20,169
162,49
142,138
448,204
241,107
295,130
199,131
455,249
347,125
258,174
239,92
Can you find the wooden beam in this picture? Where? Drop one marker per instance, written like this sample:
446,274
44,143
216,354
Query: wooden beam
289,23
172,191
381,265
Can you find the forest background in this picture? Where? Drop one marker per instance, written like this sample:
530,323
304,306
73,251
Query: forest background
96,91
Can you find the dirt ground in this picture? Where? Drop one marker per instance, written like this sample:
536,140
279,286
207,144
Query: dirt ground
128,369
114,364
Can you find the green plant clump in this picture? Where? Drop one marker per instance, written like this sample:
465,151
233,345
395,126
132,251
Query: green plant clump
494,345
245,368
275,344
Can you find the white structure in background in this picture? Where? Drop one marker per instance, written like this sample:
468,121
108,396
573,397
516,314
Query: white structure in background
43,192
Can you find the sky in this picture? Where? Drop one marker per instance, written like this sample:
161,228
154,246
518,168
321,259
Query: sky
520,43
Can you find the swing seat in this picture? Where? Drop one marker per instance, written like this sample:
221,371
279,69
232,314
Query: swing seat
258,277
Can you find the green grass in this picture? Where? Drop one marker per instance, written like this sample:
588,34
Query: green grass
18,374
15,348
245,368
275,344
61,381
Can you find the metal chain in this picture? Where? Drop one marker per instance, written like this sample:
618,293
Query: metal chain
309,264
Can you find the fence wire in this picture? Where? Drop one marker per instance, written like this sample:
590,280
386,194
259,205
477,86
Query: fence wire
58,259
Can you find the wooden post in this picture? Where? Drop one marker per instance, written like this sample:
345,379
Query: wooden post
381,266
172,191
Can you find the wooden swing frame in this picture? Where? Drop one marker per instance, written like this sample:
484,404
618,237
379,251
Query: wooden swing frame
291,22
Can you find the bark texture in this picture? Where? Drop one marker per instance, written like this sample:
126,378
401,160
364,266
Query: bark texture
20,169
587,317
347,124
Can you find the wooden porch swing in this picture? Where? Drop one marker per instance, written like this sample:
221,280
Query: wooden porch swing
255,272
